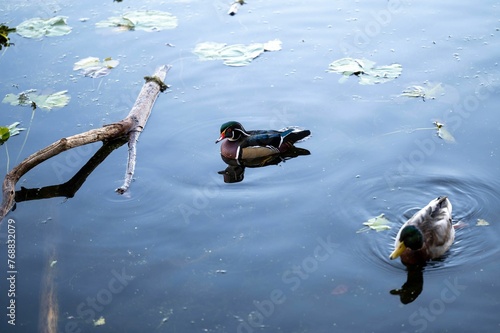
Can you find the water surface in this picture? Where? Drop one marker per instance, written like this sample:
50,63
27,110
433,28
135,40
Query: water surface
183,251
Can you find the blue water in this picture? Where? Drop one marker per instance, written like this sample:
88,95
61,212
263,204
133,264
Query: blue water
183,251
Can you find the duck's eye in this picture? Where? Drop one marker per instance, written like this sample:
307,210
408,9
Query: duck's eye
229,132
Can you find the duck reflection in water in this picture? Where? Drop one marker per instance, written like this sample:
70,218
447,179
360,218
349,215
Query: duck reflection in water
427,235
235,170
257,148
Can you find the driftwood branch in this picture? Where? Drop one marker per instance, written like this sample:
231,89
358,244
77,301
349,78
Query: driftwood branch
130,126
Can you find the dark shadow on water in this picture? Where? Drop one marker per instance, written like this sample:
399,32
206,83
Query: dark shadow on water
235,171
69,188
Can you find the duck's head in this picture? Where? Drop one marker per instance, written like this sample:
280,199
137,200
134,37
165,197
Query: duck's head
232,130
411,237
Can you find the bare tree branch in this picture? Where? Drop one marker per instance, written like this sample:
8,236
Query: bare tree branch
131,126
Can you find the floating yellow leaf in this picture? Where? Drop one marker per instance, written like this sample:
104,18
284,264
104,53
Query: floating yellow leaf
378,223
99,322
482,223
443,133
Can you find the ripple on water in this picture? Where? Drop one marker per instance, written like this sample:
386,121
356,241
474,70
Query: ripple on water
472,198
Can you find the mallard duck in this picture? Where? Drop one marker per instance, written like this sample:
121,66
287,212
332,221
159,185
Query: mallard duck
426,235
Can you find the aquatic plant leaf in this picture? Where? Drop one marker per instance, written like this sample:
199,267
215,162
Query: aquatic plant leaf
147,20
31,98
38,28
99,322
365,70
482,223
4,135
427,92
272,45
378,223
94,68
234,55
443,133
4,36
14,130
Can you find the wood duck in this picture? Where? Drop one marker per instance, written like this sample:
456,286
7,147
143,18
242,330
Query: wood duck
242,144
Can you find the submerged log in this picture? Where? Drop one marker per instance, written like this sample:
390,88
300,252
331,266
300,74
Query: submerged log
131,127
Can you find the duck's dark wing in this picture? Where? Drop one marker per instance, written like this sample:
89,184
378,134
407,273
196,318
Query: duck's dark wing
274,138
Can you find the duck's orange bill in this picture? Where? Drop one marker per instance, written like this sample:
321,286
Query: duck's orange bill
400,248
222,137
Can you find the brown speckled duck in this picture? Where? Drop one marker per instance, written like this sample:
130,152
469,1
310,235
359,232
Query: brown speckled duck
426,235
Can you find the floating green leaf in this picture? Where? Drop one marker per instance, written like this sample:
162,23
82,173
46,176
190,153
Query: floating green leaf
443,133
94,68
37,27
378,223
428,91
4,135
234,55
4,36
148,20
9,131
31,98
365,70
482,223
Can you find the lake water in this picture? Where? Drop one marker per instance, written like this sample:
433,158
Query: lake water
183,251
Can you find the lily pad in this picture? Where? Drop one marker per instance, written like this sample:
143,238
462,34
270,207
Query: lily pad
429,91
147,20
38,27
234,55
31,98
482,223
443,133
94,68
365,70
378,224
